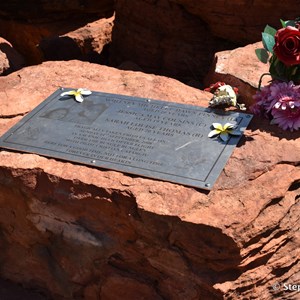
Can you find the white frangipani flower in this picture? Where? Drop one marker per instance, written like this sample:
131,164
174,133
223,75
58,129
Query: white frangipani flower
223,131
78,94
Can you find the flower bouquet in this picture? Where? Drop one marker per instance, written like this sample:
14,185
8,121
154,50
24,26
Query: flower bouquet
280,99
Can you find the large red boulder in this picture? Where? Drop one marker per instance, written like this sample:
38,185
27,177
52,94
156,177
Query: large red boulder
178,38
27,23
81,232
240,21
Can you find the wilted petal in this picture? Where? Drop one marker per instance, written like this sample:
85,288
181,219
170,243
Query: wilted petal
224,136
213,133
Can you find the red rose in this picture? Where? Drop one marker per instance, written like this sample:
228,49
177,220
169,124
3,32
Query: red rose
287,45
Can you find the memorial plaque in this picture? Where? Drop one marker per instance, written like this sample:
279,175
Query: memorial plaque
151,138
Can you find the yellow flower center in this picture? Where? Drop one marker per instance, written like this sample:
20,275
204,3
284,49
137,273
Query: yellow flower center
76,93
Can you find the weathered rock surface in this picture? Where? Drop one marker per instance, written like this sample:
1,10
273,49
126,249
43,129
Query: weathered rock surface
85,43
10,59
239,20
240,68
12,291
4,64
53,9
163,38
178,38
87,233
27,23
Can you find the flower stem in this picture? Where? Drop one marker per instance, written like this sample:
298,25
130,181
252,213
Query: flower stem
260,79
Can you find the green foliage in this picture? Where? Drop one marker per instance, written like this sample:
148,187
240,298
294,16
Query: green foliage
270,30
262,54
278,70
268,41
288,23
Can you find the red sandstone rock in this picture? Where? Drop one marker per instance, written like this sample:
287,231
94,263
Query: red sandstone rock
85,43
75,230
37,10
25,24
10,59
25,89
178,38
119,287
240,68
12,291
240,21
4,64
162,38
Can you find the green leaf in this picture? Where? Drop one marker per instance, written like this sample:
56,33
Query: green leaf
281,68
282,23
262,55
270,30
280,71
277,69
268,41
287,23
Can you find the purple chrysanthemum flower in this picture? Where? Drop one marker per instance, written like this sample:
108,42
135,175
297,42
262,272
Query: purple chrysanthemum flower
287,119
279,101
262,101
284,95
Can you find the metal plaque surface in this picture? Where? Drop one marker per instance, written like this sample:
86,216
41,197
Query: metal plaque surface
152,138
